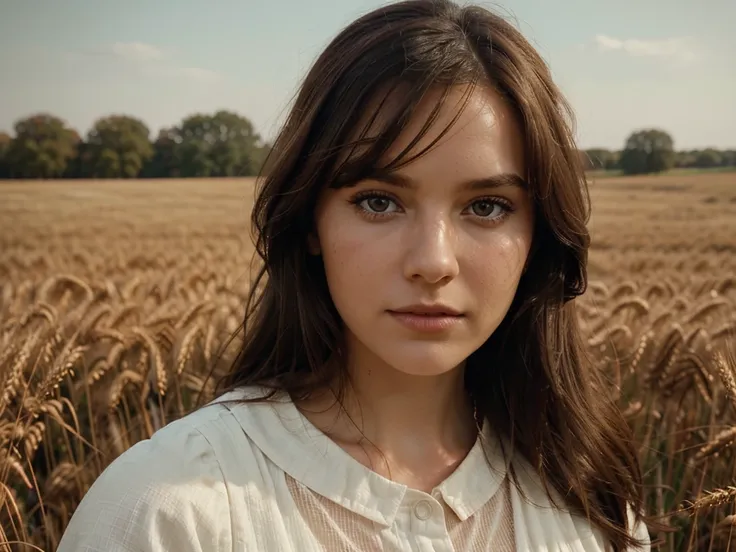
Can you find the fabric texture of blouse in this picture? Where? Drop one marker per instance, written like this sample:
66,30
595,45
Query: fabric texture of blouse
260,477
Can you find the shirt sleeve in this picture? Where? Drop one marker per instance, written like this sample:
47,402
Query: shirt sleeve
164,494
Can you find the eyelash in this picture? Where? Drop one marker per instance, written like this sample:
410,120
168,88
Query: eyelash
360,197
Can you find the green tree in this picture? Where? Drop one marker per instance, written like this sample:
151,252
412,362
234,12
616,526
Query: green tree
600,159
613,163
77,167
223,144
728,158
163,164
5,140
42,147
685,158
708,158
260,157
648,151
118,146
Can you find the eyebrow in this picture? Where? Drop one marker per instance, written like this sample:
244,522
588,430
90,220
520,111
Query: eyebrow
484,183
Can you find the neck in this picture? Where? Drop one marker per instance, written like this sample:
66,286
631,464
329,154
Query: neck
401,414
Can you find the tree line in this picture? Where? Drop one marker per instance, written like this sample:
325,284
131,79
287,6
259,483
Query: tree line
226,144
119,146
652,151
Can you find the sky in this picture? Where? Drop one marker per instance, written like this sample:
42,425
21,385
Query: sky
623,64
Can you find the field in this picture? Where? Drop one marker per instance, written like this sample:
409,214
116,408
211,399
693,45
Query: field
117,298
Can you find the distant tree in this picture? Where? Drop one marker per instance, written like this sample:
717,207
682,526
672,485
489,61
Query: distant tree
708,158
648,151
76,167
42,147
5,140
261,157
685,158
728,158
118,146
163,164
597,159
223,144
613,162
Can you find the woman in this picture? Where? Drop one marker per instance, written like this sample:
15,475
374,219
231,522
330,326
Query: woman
412,375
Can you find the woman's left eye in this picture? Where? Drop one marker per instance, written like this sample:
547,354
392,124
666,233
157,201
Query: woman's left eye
488,209
378,204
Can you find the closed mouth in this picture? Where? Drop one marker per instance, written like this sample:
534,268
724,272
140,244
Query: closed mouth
428,320
428,310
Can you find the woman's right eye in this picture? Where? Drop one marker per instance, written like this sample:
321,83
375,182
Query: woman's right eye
378,204
375,204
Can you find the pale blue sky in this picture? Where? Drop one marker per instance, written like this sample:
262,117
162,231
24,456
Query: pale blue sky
623,64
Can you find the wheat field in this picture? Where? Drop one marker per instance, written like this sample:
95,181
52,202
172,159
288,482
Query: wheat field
117,299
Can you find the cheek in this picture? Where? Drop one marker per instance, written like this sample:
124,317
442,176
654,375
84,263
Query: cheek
494,268
352,260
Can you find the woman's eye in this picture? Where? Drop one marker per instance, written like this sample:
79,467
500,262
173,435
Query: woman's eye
484,208
377,204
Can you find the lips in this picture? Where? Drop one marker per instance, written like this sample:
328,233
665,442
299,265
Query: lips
428,310
428,318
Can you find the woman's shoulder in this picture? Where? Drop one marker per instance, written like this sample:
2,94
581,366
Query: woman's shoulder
547,516
163,490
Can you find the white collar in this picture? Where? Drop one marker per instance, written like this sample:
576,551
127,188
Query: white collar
304,452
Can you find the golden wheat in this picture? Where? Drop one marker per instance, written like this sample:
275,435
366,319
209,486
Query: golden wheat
116,322
728,378
715,498
726,438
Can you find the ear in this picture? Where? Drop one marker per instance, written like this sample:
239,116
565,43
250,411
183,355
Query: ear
313,244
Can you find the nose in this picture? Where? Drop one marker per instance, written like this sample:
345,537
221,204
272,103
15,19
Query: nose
430,252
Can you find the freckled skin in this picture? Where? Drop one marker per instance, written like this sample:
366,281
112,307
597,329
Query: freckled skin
428,245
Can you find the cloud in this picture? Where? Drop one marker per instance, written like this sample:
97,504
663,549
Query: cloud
137,51
668,48
153,60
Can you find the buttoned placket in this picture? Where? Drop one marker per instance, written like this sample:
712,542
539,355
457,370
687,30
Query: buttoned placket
424,517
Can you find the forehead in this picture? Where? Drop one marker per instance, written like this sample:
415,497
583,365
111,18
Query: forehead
468,131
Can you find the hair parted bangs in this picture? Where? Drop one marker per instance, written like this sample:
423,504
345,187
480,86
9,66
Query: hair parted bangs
394,80
389,116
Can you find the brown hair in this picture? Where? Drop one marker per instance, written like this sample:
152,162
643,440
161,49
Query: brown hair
531,378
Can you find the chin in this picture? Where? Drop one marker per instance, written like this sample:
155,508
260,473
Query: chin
424,359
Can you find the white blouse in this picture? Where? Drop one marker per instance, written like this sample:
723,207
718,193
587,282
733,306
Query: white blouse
260,477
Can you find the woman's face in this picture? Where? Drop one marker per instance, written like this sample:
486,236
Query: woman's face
423,264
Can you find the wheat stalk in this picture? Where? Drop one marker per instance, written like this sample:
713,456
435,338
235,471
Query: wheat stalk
187,347
610,334
723,440
118,386
96,317
727,377
155,354
12,463
194,311
32,437
125,311
623,289
108,333
40,310
62,368
726,330
15,374
667,354
706,308
714,499
64,282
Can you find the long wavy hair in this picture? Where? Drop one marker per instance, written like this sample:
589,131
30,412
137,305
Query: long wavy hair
531,379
